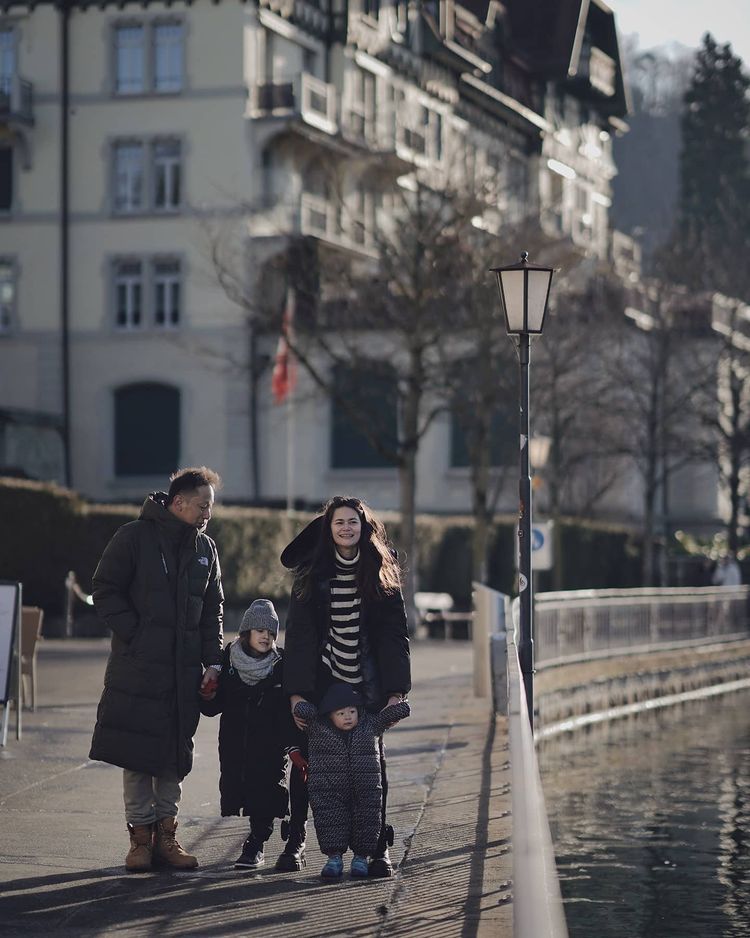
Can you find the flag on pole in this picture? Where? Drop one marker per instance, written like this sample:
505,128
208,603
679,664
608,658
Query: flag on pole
284,375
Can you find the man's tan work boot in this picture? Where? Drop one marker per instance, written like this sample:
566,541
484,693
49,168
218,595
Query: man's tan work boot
138,859
167,851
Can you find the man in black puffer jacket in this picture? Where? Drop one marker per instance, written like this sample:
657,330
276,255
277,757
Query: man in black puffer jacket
158,588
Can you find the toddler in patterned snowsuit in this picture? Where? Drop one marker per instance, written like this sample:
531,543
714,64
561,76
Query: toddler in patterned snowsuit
344,775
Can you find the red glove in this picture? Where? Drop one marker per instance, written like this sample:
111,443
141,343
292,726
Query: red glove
209,686
299,762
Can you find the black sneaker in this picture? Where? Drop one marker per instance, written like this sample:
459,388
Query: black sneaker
380,866
292,858
252,856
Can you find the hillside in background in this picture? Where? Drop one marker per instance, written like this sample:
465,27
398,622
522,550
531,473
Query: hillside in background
647,157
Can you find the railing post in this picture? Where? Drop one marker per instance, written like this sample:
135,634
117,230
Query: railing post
70,580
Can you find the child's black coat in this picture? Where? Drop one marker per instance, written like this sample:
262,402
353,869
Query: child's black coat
256,727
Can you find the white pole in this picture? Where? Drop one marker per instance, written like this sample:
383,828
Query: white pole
290,421
19,650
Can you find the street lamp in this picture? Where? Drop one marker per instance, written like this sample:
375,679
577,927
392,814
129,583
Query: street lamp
524,294
539,447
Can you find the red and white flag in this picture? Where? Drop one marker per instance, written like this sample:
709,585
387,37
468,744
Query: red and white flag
284,376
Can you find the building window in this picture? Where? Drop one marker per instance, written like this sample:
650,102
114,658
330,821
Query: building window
7,59
168,53
361,121
167,293
147,176
167,174
148,293
129,173
7,294
420,128
372,395
129,294
6,179
147,429
363,214
130,58
149,57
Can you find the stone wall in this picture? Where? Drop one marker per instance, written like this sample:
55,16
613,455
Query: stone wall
573,690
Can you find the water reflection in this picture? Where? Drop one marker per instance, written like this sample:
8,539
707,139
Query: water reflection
650,817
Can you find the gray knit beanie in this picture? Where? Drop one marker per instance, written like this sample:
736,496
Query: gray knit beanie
260,615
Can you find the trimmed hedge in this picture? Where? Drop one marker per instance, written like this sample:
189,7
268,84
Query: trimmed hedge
50,530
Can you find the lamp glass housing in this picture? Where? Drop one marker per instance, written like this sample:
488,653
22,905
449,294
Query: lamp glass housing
524,293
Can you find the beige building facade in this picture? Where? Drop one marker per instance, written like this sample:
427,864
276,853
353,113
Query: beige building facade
133,135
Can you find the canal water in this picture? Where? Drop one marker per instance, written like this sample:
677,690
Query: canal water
650,818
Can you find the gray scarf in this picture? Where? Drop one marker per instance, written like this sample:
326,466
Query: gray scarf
251,670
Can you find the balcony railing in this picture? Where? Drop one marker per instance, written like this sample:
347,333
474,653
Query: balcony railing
306,96
318,217
16,101
318,102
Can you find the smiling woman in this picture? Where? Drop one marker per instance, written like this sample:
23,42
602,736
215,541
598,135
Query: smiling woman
346,530
347,623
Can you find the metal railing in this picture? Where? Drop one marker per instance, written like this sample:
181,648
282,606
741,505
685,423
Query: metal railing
580,624
73,591
315,101
537,902
16,100
318,217
318,102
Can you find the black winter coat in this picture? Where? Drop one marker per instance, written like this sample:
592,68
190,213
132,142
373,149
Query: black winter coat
344,782
158,588
384,636
255,729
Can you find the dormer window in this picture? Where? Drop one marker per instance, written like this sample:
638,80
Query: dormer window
602,72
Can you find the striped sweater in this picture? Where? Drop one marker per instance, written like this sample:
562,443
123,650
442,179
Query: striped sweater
341,651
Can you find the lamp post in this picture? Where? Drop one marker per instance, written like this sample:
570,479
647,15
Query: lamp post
524,294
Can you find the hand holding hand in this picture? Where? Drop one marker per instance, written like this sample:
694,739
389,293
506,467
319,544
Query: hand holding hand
394,699
293,701
209,684
300,763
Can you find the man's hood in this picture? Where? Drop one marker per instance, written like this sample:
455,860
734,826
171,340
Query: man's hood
155,509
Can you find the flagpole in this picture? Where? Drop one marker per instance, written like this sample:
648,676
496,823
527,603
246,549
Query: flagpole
290,421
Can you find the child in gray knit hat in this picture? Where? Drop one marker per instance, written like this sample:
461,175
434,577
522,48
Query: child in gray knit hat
344,779
255,731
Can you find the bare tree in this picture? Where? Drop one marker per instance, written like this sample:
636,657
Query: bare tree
373,331
482,376
662,369
725,409
573,394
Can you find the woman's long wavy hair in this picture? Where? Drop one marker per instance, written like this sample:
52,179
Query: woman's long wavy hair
378,570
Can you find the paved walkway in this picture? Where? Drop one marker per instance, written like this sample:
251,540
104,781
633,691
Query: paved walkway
63,838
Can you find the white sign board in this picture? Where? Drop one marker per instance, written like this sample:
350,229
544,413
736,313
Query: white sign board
8,622
541,546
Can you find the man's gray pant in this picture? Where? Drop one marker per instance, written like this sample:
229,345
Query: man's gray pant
149,799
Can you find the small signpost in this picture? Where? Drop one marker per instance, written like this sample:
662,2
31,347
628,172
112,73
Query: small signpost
10,654
541,546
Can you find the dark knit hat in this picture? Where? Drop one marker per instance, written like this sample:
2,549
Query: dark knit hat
339,696
260,615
